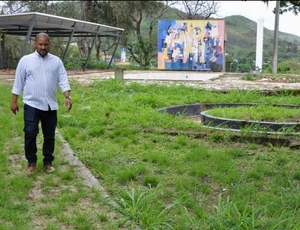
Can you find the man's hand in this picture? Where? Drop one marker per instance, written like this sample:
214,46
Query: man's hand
14,107
68,104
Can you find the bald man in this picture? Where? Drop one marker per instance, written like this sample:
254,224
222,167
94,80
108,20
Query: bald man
37,76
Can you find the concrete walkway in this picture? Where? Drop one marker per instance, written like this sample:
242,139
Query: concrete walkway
171,75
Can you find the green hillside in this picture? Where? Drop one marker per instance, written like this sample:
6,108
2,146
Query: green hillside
241,40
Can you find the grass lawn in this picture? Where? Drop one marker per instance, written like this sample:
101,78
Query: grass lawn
269,113
158,180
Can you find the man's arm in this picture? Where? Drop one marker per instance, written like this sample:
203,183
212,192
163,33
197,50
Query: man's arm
14,104
68,101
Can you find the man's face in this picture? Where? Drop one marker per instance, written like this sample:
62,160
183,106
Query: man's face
42,46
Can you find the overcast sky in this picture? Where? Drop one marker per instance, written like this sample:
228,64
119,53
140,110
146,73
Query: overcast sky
288,22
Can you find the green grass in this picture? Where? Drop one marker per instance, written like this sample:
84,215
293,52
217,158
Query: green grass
251,76
41,200
261,112
156,180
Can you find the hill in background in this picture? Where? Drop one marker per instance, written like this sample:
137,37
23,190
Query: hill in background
241,40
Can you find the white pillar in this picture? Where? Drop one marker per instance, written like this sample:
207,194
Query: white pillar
123,55
259,44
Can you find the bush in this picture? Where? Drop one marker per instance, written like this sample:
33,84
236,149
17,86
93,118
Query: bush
291,66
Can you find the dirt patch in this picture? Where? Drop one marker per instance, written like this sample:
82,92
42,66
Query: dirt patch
224,82
286,78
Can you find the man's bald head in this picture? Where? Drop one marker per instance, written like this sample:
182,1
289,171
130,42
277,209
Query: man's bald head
42,35
42,44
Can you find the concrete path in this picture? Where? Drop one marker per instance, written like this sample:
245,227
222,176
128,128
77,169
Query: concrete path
170,75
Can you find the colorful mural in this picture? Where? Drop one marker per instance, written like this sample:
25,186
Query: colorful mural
191,44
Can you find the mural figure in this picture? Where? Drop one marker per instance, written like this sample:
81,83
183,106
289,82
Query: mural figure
190,44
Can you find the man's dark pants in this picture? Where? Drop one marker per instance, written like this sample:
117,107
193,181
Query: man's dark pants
48,119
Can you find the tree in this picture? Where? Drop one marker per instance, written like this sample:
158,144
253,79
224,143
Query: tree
138,40
293,6
198,9
286,6
281,7
139,20
13,7
275,46
60,8
102,12
142,47
83,42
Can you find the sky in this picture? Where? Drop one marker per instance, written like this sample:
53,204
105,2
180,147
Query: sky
288,22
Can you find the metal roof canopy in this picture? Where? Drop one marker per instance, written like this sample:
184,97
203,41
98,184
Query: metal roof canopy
30,24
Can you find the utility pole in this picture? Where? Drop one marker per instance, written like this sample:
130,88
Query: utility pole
275,47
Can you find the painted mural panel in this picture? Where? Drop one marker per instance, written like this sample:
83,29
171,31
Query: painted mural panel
191,45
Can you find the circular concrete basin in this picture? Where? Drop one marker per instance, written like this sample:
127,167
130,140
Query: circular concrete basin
202,110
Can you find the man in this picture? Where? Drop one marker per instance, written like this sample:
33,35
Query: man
37,76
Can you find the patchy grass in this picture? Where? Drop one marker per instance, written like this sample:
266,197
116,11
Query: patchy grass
157,180
269,113
41,200
279,78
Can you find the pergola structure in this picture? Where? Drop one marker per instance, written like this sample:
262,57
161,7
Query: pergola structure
30,24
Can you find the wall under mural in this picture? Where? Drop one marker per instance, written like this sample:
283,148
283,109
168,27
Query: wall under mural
191,45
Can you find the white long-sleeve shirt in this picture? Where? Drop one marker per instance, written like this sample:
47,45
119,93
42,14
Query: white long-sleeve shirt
38,79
